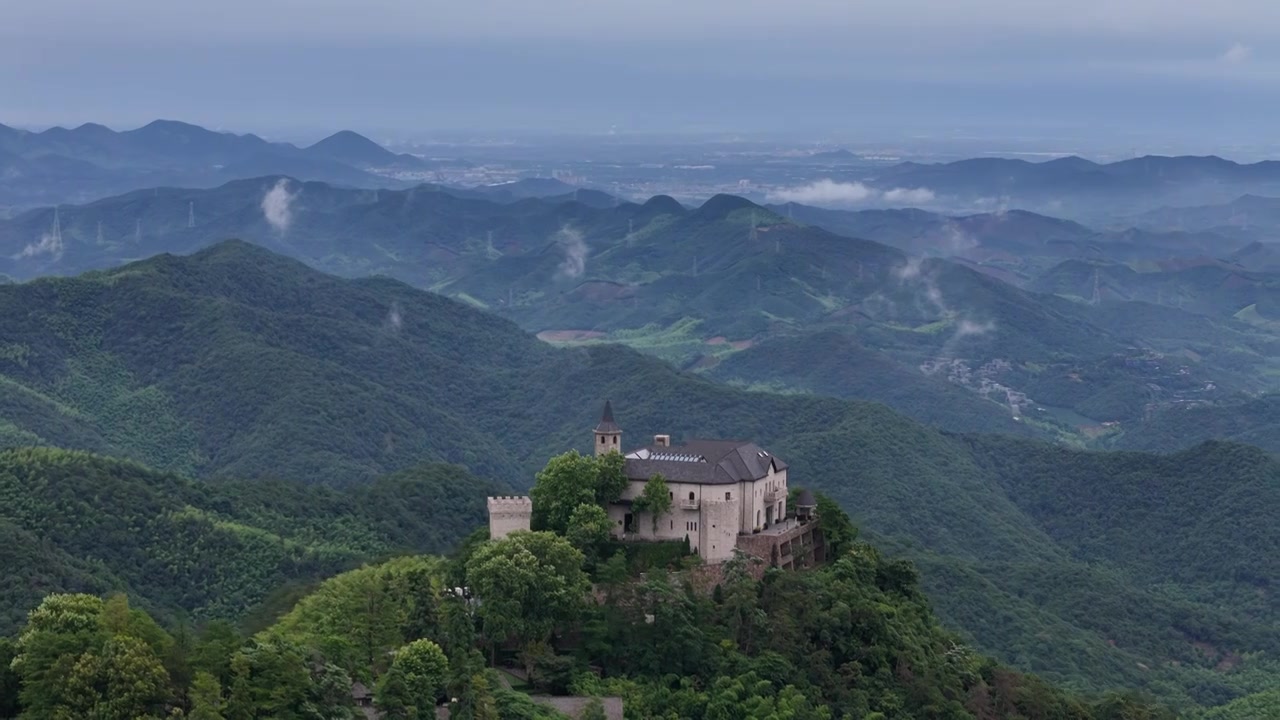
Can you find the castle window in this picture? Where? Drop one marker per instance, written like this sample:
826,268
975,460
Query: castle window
728,496
615,439
690,497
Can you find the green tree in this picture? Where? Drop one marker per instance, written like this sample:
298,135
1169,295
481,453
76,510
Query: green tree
423,619
218,641
10,683
206,698
567,481
611,477
59,631
654,499
122,681
270,677
589,529
838,531
527,583
571,480
414,683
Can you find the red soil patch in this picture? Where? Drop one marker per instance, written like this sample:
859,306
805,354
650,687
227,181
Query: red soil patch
568,335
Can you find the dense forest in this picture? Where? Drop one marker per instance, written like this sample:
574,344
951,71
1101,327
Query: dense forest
852,639
240,367
187,551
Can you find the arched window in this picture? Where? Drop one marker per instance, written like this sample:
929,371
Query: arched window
690,496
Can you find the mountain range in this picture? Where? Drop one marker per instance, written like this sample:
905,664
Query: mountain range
745,294
60,165
237,364
1082,188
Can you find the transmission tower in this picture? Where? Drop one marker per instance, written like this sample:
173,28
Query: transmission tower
1097,294
57,228
755,235
191,214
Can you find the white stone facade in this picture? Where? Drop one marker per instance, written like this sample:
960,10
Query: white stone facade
710,515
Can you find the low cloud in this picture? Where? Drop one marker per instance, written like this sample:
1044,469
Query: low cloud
830,192
277,206
969,328
1237,54
909,196
48,244
825,192
575,252
395,320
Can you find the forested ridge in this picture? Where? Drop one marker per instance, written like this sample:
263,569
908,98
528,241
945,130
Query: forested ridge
190,552
853,639
239,367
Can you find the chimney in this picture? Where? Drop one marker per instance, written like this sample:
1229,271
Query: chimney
662,440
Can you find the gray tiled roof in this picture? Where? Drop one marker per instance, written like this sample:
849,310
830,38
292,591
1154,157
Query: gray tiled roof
705,462
607,425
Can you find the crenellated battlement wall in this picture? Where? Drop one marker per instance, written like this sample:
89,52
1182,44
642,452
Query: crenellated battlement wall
508,514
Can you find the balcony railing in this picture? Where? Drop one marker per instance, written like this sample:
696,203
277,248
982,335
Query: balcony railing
687,504
770,496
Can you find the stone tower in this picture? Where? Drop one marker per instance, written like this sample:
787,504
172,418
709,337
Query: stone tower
508,514
608,436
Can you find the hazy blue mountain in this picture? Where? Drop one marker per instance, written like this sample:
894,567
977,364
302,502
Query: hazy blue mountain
359,151
1014,245
1248,213
1079,188
61,165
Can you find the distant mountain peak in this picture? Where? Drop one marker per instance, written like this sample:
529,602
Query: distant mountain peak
663,205
720,206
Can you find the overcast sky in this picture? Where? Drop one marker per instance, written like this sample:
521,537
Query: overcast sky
1198,69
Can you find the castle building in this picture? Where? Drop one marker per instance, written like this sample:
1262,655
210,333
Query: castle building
725,495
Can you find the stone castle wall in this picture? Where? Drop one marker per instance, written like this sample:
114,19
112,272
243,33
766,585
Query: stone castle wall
508,514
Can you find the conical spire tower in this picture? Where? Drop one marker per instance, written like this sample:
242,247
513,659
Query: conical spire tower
608,436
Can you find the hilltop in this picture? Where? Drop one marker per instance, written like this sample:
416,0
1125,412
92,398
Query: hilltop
351,379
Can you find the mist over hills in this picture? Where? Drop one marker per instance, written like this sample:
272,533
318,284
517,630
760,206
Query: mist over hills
1016,245
237,362
700,287
1084,189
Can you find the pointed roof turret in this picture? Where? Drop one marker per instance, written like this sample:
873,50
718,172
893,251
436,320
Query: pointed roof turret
607,425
